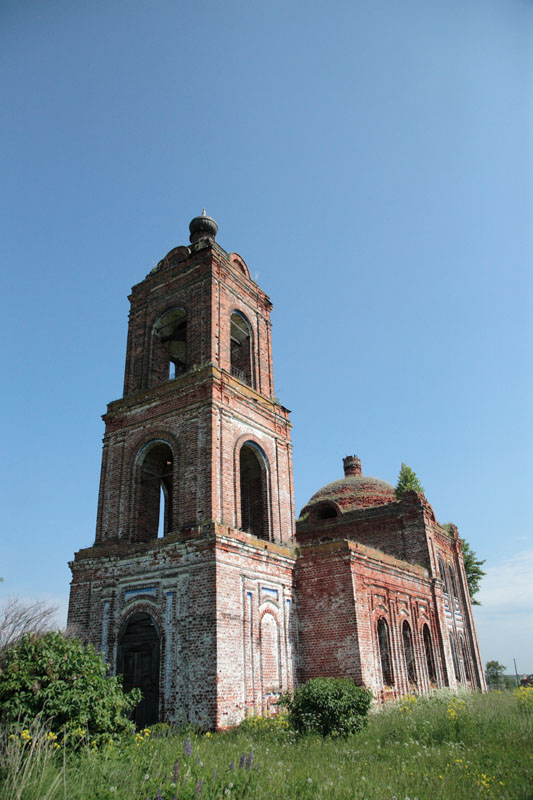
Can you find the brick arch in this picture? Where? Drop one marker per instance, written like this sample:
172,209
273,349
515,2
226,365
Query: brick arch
144,606
249,439
238,261
133,464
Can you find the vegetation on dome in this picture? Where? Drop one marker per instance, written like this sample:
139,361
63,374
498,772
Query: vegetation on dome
407,481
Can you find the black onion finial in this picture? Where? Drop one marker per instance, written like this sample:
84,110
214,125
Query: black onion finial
203,227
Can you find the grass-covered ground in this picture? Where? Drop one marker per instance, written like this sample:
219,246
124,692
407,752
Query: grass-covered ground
472,746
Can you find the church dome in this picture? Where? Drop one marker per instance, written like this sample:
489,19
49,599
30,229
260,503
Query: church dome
354,491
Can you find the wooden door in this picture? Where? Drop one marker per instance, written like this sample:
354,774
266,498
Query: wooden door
138,662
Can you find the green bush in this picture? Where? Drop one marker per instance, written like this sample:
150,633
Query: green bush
329,706
67,684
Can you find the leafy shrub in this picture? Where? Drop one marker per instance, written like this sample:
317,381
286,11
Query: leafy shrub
329,706
524,695
67,683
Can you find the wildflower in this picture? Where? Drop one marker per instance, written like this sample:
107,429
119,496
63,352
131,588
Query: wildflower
242,761
309,780
199,788
146,777
187,746
176,771
232,765
112,788
249,761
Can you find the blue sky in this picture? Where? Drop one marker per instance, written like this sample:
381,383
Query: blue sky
370,160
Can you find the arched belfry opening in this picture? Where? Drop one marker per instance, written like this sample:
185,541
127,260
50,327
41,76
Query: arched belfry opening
169,351
138,658
241,349
254,490
155,489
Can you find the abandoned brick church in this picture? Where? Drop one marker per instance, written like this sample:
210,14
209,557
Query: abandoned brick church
201,587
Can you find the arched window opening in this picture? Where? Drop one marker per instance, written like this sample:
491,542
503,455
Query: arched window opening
326,512
170,345
454,657
453,582
162,508
154,499
442,575
254,506
430,661
384,652
466,659
138,661
408,652
241,348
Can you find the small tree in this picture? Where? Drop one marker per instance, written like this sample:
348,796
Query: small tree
494,673
66,682
18,617
407,480
329,706
473,570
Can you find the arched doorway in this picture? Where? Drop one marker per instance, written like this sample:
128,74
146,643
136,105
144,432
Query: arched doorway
138,662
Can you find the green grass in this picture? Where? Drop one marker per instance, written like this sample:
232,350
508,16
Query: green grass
461,748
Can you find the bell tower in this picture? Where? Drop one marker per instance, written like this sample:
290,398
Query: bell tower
197,450
198,431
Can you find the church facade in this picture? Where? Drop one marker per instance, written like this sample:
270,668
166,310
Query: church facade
201,587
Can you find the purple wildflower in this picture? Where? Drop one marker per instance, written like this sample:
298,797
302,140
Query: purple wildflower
159,795
187,746
242,761
176,771
249,760
199,788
